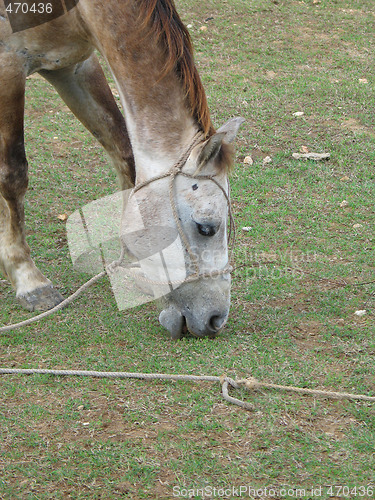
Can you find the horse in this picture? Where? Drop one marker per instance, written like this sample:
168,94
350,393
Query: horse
163,143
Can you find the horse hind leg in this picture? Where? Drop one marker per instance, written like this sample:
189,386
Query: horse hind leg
33,290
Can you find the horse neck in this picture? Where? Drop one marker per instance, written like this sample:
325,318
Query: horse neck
159,121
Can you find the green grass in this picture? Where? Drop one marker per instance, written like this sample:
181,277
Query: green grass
78,438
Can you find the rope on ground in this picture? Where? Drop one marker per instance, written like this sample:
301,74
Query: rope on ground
253,384
249,383
62,304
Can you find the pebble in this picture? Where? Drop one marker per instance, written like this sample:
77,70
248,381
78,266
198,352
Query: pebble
311,156
267,160
360,312
344,204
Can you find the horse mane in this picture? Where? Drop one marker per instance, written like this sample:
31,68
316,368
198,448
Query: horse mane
161,18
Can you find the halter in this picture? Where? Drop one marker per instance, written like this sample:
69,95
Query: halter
172,173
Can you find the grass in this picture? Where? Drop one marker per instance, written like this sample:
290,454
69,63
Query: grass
78,438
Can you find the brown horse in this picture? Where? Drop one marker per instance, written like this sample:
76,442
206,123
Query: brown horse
149,53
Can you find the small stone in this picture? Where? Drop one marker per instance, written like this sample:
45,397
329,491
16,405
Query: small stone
270,75
360,312
357,226
248,160
246,229
267,160
362,80
304,149
345,178
344,204
203,28
298,113
311,156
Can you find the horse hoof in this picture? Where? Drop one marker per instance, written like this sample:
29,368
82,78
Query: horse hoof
41,299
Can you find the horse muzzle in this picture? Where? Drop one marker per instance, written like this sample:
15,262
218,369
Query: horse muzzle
203,312
178,323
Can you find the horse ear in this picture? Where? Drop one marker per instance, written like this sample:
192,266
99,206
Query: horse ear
210,150
212,147
230,128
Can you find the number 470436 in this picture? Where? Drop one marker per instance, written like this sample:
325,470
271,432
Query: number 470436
348,492
24,8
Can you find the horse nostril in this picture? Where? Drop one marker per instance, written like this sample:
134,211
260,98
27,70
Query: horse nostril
217,322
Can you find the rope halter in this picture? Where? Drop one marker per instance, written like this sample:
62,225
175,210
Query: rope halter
172,174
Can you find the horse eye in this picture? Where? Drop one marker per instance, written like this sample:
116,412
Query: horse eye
206,229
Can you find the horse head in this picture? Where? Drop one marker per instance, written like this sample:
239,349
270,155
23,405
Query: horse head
185,214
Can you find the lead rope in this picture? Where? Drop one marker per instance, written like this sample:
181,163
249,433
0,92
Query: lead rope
60,306
250,383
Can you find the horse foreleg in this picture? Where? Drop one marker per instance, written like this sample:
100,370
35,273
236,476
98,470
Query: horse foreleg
33,290
85,90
